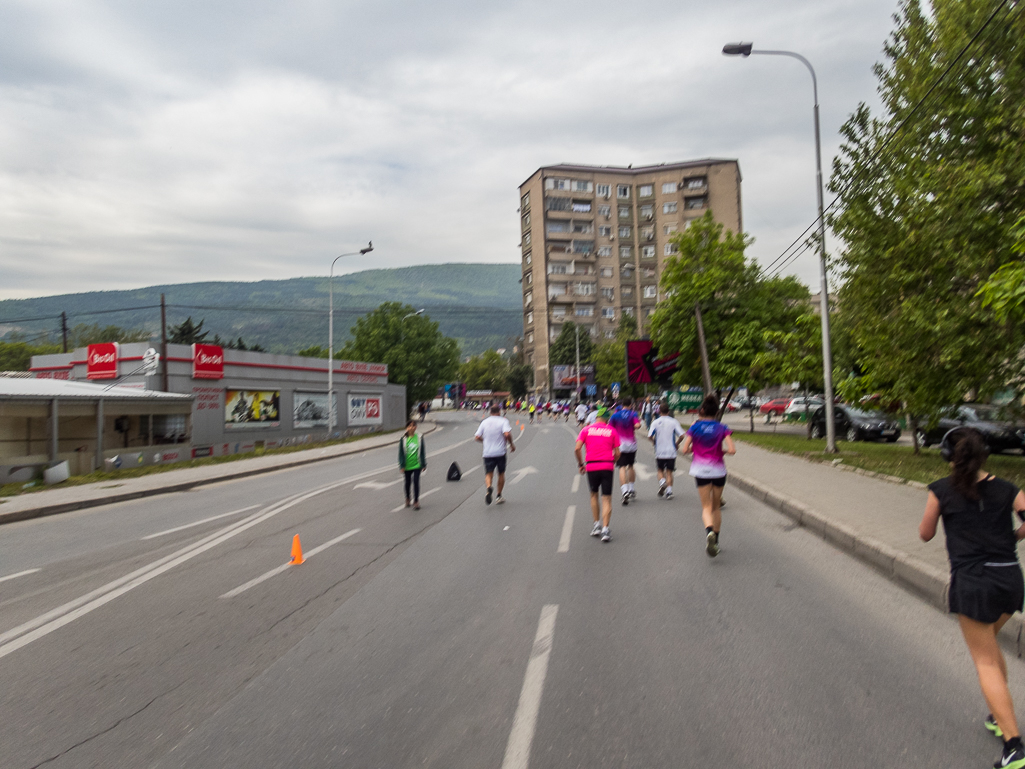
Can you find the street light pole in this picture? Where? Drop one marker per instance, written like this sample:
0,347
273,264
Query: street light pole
577,372
746,49
332,415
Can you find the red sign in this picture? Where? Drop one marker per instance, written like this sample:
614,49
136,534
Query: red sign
101,362
207,361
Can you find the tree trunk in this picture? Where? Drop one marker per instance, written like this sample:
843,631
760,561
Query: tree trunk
913,427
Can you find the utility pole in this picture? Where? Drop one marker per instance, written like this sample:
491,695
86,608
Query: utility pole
64,330
163,341
706,372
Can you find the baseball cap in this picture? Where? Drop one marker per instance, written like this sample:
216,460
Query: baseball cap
602,412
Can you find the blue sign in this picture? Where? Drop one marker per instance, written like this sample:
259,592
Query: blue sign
591,390
615,390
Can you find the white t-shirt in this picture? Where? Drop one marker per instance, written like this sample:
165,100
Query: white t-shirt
581,411
666,430
493,430
592,417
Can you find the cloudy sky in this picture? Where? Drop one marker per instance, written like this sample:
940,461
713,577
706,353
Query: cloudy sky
171,142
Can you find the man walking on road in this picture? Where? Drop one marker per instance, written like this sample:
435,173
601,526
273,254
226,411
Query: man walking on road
601,444
666,434
494,432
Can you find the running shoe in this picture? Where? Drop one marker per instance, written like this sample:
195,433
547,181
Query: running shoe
993,726
407,503
669,495
499,499
416,505
626,498
1011,758
605,536
487,497
596,531
661,489
633,494
711,544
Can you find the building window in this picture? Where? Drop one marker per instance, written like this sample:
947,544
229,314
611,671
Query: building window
670,228
669,208
628,311
528,298
530,338
581,206
556,289
530,318
525,202
669,188
607,272
650,292
558,312
605,230
648,233
647,252
649,272
605,211
692,203
584,289
554,333
626,252
584,228
603,190
608,312
604,250
623,191
624,212
579,186
526,220
670,249
526,238
526,258
558,204
647,212
697,183
649,311
583,246
557,268
610,334
646,190
584,312
608,293
627,290
556,184
625,231
559,247
530,359
530,278
558,227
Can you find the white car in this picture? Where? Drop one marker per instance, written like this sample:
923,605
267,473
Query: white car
798,405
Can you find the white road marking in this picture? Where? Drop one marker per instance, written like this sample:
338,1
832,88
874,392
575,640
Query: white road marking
576,483
642,471
402,507
475,467
506,529
376,485
522,473
274,572
517,751
567,529
19,574
198,523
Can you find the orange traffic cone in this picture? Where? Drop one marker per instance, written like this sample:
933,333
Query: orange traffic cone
297,551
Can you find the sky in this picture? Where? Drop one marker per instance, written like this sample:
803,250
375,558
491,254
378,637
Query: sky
196,140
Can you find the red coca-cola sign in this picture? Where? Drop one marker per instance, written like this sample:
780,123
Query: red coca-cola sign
207,361
101,362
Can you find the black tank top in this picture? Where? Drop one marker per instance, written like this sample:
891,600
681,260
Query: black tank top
982,530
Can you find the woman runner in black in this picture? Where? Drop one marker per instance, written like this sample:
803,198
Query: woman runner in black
986,585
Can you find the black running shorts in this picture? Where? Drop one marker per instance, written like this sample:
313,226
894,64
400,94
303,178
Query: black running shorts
666,464
985,593
600,479
626,458
493,463
720,482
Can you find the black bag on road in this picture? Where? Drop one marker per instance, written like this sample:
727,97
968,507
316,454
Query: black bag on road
454,473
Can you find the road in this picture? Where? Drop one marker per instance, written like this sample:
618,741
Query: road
146,635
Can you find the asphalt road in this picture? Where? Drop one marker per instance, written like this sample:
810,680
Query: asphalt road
464,635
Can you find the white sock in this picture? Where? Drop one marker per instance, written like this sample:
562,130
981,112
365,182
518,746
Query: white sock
661,481
631,485
669,489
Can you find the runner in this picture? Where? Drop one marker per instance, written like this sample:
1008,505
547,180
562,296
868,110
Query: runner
494,432
666,433
601,444
592,414
625,422
412,461
581,412
531,410
706,438
986,585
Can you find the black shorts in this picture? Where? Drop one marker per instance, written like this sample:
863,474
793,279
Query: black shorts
493,463
666,464
720,482
600,479
626,458
985,593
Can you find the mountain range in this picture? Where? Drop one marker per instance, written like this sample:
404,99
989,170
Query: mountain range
480,305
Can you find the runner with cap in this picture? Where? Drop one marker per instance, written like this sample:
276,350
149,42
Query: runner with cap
601,446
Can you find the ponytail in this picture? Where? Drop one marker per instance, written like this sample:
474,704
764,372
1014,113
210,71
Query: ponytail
969,454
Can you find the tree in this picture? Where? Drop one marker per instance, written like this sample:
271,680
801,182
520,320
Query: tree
610,356
85,334
187,332
793,356
928,197
417,354
563,351
737,302
487,371
314,351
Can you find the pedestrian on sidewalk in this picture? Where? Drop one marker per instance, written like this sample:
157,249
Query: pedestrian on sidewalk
710,441
412,461
986,584
494,432
601,444
666,433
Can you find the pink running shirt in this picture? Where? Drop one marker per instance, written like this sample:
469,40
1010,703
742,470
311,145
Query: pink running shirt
600,444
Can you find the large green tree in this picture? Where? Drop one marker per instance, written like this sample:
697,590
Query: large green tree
610,356
418,355
487,371
563,351
929,192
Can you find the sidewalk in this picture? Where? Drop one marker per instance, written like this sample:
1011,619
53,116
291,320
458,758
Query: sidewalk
65,499
874,520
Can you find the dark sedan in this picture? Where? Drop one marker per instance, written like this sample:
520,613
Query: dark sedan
999,433
856,424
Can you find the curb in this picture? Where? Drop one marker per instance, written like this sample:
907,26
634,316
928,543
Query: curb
82,504
924,580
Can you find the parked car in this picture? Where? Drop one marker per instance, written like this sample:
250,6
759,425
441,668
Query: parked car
776,406
999,432
798,405
856,424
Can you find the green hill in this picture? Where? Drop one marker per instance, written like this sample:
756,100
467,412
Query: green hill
478,304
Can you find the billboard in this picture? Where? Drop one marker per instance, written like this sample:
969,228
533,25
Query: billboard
642,367
566,378
310,410
207,361
251,408
101,361
364,410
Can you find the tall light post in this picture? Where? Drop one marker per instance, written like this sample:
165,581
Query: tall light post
746,49
332,415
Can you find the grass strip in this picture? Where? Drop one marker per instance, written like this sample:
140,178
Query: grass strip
885,458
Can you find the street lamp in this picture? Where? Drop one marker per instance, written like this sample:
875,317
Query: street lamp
746,49
331,336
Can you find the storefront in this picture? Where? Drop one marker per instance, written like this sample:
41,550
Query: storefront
241,401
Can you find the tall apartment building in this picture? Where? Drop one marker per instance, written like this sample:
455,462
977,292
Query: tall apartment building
595,239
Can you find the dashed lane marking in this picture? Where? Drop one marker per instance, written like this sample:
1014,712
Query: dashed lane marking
567,529
517,751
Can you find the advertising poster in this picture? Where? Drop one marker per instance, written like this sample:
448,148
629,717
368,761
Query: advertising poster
364,410
101,361
566,378
310,410
251,408
207,361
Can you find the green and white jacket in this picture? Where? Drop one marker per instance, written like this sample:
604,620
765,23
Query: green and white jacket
412,453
